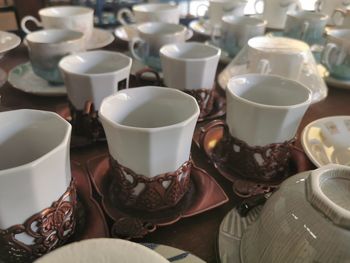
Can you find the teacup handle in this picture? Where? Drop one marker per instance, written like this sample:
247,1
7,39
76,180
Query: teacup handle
330,47
264,67
136,41
29,18
216,35
198,9
206,128
256,6
318,5
122,13
304,30
342,14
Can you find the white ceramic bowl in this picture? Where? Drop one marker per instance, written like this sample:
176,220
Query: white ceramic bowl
103,250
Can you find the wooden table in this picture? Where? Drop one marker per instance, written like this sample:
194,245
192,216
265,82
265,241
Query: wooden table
197,234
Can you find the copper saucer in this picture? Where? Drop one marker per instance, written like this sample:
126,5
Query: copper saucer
91,221
207,137
204,194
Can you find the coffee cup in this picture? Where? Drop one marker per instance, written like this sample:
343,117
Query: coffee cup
149,132
336,54
47,47
150,12
152,36
341,17
265,55
306,25
76,18
236,31
275,11
191,67
328,7
38,198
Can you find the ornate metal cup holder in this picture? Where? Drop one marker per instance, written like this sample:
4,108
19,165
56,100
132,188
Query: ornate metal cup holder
208,139
204,194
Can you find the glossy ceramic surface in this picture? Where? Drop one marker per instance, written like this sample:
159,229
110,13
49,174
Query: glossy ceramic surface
327,140
202,27
99,39
328,7
103,250
23,78
8,41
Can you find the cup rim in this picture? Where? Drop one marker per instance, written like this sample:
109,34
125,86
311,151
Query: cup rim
301,46
58,147
79,36
192,117
334,34
316,16
86,10
63,61
213,48
226,19
266,106
148,24
171,7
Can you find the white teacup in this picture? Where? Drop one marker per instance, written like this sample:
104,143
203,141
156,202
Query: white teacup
64,17
47,47
275,11
151,12
236,31
152,36
92,76
149,129
341,17
263,109
276,55
34,167
329,6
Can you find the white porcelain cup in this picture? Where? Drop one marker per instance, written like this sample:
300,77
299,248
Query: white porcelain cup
329,6
94,75
189,66
263,109
75,18
47,47
150,12
34,164
218,8
276,55
236,31
341,17
152,36
149,129
275,11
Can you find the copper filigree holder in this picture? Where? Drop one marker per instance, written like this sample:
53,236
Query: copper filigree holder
87,128
252,170
160,192
49,229
205,100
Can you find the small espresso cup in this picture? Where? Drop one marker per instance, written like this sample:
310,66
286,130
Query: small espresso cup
263,109
36,200
76,18
191,67
336,54
276,55
328,7
92,76
149,132
150,12
306,25
152,36
47,47
236,31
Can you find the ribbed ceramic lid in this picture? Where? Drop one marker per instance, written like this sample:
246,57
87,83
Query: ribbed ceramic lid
328,190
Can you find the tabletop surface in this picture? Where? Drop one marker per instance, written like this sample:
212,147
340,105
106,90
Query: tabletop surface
197,234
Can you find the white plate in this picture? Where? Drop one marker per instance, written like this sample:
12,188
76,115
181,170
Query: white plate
8,41
103,250
338,83
201,26
320,147
128,32
99,39
173,254
23,78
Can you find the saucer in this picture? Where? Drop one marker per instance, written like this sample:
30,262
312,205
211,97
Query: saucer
320,151
219,108
128,32
231,232
91,222
173,254
208,136
24,79
99,39
3,77
8,41
204,194
338,83
201,26
224,57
